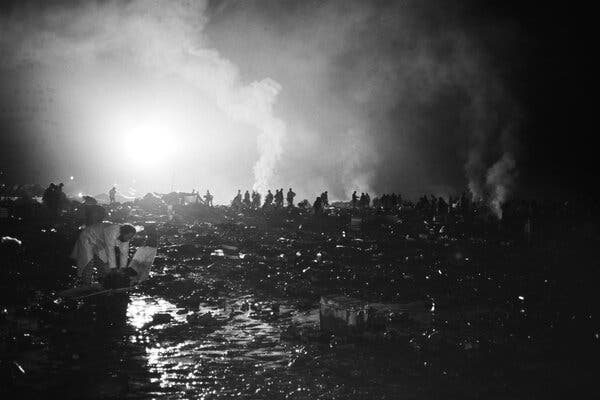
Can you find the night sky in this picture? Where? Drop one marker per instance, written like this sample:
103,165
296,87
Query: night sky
405,96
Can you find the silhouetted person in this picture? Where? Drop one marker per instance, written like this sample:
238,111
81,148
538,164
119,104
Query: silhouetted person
51,198
268,198
362,200
318,206
290,198
354,200
48,195
208,199
325,199
255,200
237,200
111,194
247,201
279,198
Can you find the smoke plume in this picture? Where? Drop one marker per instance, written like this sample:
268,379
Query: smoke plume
336,95
500,181
161,40
379,96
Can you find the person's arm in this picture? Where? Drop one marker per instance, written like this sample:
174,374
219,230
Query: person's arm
111,235
124,256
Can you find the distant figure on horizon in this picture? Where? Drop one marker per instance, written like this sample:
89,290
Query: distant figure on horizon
318,206
208,199
290,197
51,198
362,200
354,199
237,200
279,198
255,200
247,201
268,199
325,199
111,194
61,197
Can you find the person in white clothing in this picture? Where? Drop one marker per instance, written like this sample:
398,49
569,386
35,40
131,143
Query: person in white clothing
143,258
97,248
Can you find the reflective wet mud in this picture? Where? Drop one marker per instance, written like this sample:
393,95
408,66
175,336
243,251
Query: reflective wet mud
232,311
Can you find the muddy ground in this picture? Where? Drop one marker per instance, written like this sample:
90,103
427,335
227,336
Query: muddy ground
232,311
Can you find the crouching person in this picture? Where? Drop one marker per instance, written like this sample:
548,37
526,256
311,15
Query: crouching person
100,248
138,269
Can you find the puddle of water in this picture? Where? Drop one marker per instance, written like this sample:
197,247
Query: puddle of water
229,360
141,309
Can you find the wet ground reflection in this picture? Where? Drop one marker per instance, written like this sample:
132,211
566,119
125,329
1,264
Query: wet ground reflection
236,356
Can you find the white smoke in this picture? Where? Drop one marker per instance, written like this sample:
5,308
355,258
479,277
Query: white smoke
164,37
499,180
491,166
253,105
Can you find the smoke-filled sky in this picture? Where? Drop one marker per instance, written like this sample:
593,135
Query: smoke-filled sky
408,96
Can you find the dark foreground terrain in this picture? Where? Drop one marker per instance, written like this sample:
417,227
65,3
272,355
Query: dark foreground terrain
232,310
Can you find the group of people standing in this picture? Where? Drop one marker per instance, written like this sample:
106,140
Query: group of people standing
253,201
208,198
363,202
321,202
388,202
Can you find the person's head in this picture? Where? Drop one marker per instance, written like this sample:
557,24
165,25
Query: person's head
126,233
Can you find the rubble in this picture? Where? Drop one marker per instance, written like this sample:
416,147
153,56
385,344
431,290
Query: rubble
249,294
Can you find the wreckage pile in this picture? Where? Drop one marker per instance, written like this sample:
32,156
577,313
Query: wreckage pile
344,305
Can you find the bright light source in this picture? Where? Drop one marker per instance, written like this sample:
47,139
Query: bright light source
149,143
72,177
80,194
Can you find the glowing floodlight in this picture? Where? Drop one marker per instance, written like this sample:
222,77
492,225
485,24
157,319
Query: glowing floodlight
149,143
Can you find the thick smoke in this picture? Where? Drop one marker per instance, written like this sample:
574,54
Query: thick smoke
254,105
380,96
163,37
376,96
